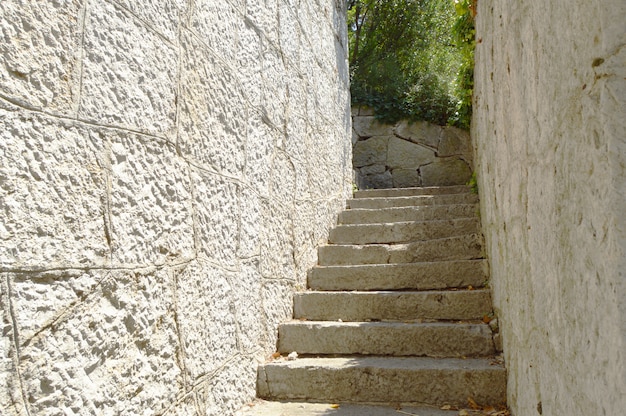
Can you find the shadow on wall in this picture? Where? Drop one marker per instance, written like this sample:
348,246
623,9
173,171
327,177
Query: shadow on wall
408,154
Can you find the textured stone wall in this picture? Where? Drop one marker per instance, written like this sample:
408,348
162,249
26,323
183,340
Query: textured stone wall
408,154
550,137
167,168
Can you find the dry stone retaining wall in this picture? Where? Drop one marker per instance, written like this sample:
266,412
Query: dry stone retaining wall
408,154
167,168
550,135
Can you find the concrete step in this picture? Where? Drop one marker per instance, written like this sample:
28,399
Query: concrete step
402,232
433,339
431,381
463,247
408,201
265,408
407,276
396,192
401,214
392,306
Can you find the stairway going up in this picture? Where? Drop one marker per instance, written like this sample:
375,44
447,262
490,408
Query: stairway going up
394,312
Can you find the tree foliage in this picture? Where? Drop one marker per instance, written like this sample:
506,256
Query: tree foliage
405,58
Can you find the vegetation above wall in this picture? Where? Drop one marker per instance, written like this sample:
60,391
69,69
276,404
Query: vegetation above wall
412,59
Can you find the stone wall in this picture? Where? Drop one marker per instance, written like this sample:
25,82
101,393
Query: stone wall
167,169
550,136
408,154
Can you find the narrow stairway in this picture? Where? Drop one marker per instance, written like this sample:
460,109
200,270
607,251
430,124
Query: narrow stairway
394,311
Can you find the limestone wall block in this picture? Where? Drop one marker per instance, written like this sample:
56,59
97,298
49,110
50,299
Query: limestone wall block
161,15
250,223
278,306
455,142
217,212
262,139
421,132
368,126
289,35
405,178
151,207
248,62
42,298
40,53
129,73
213,111
376,181
206,314
223,393
264,14
277,251
407,155
103,349
248,307
11,399
371,151
274,93
218,24
445,172
53,195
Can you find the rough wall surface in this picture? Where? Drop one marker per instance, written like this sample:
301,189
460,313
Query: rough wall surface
408,154
167,168
550,137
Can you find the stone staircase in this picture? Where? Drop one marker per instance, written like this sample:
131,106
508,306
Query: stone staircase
394,311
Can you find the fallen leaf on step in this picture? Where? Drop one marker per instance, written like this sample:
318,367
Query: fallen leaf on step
276,355
334,406
472,404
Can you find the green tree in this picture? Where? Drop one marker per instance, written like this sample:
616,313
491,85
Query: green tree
404,58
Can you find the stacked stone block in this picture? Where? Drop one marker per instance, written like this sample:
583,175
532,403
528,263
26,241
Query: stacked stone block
166,171
408,154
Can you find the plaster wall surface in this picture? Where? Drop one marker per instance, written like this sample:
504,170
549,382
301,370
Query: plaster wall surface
550,151
167,168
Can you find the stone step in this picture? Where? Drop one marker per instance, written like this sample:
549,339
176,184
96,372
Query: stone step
407,276
265,408
396,192
392,306
408,201
432,339
402,232
401,214
431,381
463,247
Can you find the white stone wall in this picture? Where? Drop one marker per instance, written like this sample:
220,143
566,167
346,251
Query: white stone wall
550,137
167,168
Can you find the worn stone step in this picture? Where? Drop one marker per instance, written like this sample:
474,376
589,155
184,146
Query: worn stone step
407,201
396,192
464,247
402,232
268,408
407,276
401,214
432,339
392,305
432,381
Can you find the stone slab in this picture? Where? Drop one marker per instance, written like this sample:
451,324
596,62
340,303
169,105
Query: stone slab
436,339
372,203
446,172
415,191
392,305
416,276
464,247
424,213
384,379
402,232
266,408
